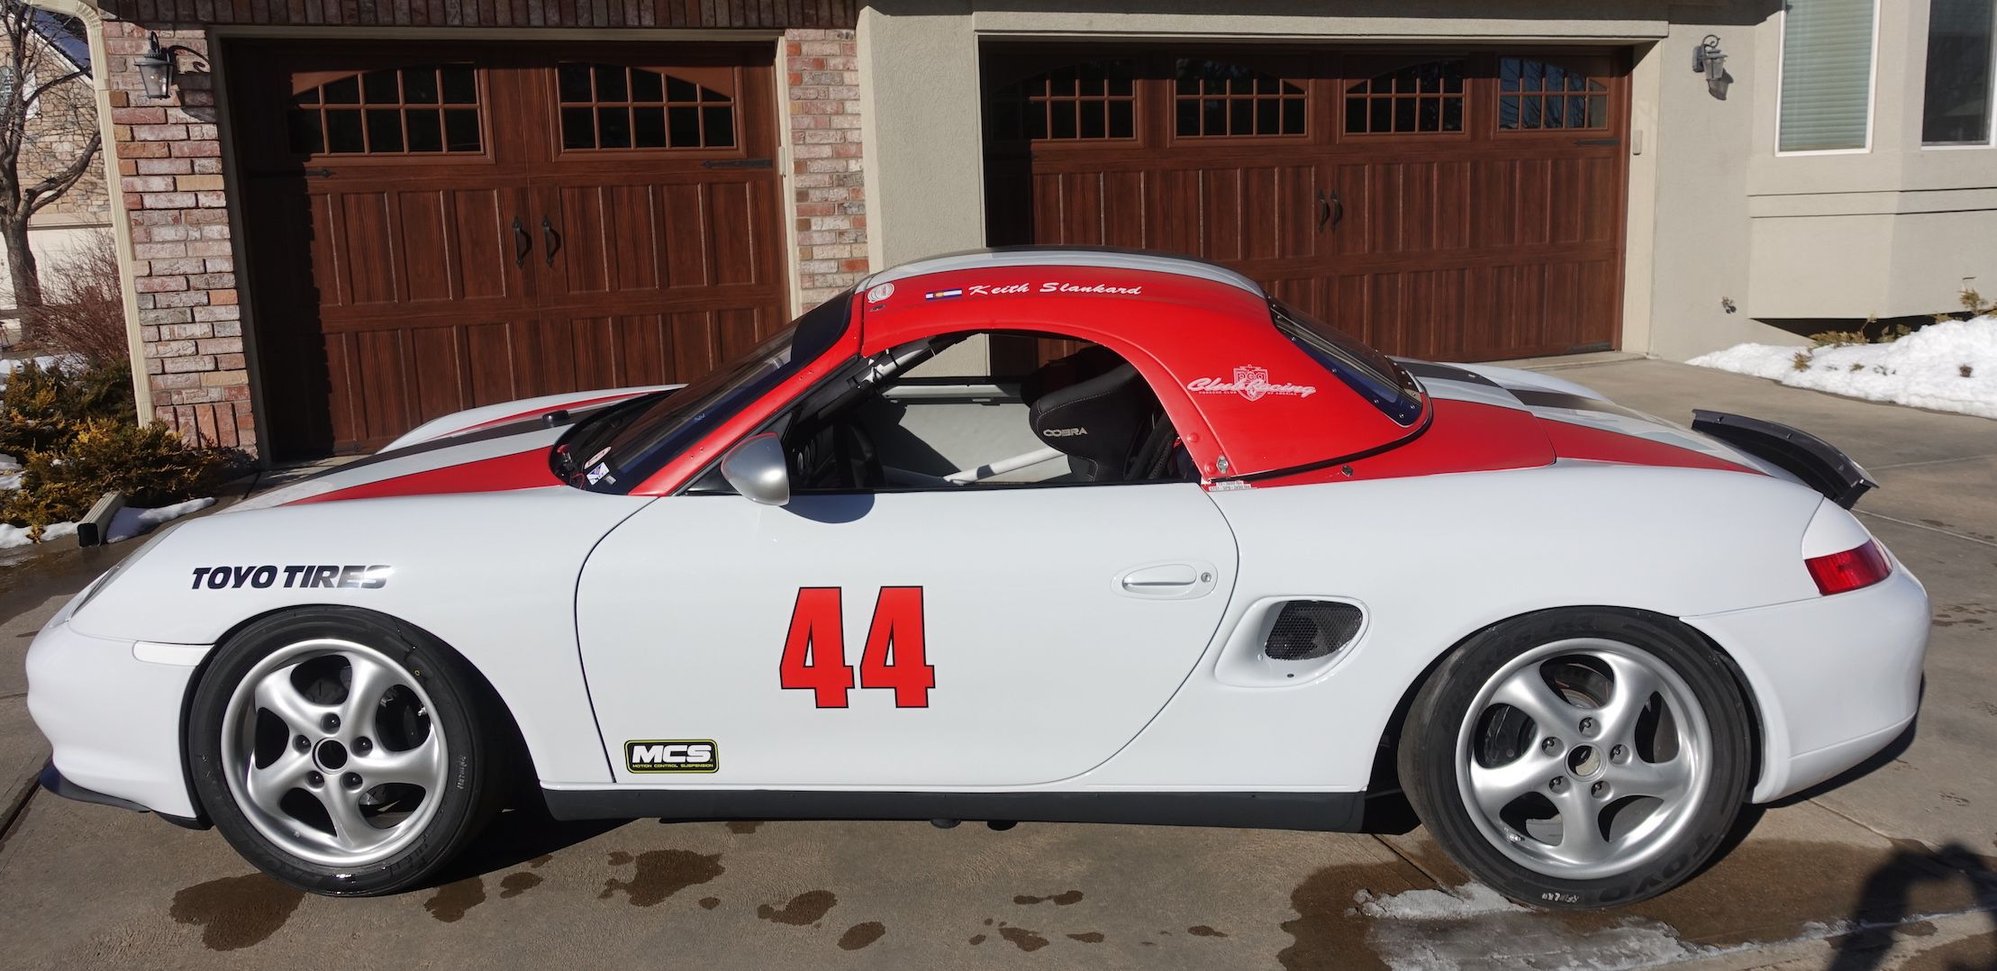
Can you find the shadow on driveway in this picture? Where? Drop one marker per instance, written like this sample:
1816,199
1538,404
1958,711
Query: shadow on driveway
1884,902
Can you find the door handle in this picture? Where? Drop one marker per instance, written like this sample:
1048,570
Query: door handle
550,239
1330,209
522,243
1161,578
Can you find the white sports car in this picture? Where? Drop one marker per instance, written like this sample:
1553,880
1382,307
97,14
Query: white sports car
1013,535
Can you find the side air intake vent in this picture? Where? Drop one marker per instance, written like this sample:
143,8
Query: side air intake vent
1308,630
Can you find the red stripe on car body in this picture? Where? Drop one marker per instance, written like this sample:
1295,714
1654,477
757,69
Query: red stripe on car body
1463,436
501,473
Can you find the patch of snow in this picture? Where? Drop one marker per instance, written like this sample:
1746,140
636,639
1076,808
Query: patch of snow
12,536
10,473
9,365
1469,900
131,522
1473,926
1924,369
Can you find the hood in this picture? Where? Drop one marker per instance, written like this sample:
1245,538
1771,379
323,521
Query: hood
510,412
496,448
514,458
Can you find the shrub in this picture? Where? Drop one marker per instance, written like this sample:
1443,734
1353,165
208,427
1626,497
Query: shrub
1863,335
150,464
39,403
84,312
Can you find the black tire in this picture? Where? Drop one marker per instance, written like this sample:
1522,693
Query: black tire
459,707
1434,770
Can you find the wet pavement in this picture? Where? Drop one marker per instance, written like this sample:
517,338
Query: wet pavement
1895,869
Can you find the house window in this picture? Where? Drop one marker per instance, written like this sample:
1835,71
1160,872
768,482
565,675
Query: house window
1956,108
609,106
1095,100
393,111
1418,99
1534,95
1826,103
1216,98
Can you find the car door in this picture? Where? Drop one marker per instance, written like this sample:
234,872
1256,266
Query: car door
1053,623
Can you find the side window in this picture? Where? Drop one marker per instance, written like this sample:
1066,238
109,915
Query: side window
987,410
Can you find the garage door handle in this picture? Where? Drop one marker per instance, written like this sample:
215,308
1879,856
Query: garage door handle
522,243
1330,209
550,239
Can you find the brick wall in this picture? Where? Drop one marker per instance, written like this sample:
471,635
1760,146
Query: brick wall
823,77
169,163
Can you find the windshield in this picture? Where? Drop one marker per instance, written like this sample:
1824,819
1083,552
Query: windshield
1365,370
619,448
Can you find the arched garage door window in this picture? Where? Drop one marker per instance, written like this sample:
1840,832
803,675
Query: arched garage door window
421,110
1089,101
1219,98
1420,99
612,107
1534,95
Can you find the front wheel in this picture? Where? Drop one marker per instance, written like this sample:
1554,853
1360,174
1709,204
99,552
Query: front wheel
1579,758
342,752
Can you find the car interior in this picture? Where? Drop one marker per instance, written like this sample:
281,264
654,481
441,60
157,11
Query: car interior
989,409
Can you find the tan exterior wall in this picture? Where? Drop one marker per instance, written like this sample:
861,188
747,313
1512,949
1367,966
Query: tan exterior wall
1892,231
1716,220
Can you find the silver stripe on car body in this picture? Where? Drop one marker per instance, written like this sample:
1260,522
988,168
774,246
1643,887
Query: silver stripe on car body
1035,256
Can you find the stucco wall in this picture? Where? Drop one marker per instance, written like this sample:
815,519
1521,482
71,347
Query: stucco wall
1700,262
1892,231
1715,218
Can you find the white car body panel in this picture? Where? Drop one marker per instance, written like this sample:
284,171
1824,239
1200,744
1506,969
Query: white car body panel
454,570
1407,547
667,617
1044,664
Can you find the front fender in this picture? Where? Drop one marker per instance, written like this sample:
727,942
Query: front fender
493,575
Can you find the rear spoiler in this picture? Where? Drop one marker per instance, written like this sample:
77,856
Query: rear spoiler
1818,463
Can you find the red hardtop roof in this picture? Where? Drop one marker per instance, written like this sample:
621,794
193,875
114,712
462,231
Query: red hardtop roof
1243,397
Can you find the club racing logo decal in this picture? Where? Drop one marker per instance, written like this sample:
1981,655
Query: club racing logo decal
1250,382
672,755
880,293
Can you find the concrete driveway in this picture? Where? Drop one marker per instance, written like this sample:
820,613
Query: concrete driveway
1897,869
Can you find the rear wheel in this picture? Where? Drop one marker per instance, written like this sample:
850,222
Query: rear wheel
342,752
1579,758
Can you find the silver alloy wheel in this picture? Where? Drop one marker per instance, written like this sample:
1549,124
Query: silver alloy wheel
1584,758
358,768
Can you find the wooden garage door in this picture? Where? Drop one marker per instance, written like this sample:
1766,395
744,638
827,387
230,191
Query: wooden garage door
435,228
1458,206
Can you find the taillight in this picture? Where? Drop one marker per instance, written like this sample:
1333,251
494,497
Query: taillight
1860,566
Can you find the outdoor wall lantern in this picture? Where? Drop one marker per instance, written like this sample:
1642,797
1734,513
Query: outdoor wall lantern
1709,60
156,67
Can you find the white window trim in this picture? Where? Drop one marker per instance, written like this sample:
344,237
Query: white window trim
1990,137
1871,90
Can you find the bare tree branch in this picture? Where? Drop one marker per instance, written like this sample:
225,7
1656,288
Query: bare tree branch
36,94
48,190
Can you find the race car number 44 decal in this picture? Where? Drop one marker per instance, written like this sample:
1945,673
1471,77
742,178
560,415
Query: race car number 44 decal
814,655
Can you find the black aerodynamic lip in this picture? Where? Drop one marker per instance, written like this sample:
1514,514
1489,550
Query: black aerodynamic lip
1821,465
